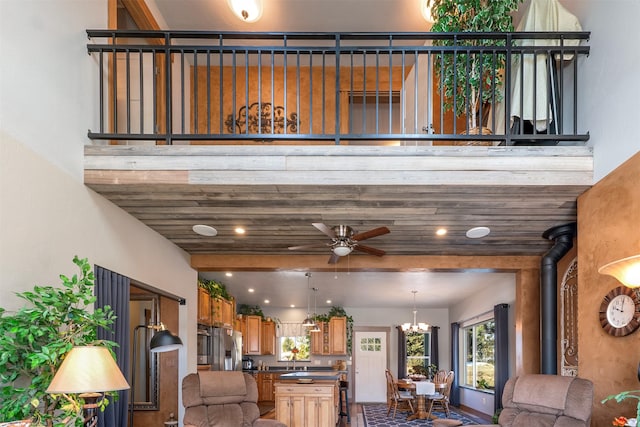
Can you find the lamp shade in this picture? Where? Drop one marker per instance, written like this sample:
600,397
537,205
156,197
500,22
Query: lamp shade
88,369
626,270
164,341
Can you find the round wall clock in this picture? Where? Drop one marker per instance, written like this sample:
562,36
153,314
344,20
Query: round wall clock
620,311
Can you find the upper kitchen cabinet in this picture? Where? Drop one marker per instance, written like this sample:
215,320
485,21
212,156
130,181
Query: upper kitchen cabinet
223,312
252,335
332,339
204,307
268,338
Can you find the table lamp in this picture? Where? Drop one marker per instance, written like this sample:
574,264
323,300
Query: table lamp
88,371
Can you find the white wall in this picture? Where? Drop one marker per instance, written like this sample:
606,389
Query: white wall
609,93
47,215
472,307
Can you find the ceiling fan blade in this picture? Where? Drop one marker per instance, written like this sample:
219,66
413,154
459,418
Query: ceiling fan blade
371,233
370,250
326,230
333,258
317,245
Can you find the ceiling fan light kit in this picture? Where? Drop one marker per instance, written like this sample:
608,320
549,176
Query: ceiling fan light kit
344,240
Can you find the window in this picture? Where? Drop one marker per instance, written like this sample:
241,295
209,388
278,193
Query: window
300,343
479,359
418,347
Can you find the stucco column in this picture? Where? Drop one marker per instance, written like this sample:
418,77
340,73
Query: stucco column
527,318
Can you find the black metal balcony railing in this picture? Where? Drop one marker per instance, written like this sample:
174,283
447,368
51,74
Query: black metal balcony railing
315,88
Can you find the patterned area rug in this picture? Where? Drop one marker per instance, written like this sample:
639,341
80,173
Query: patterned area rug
375,415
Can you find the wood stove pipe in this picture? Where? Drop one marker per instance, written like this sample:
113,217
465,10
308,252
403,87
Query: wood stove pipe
563,236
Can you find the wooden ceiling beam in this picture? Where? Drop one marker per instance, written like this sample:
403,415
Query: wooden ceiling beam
209,262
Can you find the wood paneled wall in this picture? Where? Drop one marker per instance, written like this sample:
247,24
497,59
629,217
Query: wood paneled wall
608,229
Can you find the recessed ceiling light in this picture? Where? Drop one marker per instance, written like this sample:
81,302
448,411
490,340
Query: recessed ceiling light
441,231
240,230
228,274
250,290
267,301
205,230
328,301
478,232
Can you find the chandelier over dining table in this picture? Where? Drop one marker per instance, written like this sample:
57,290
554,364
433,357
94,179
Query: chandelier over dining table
415,326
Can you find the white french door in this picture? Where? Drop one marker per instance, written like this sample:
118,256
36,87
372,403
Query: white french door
370,351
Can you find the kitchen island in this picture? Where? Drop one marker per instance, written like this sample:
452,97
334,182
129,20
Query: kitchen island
308,398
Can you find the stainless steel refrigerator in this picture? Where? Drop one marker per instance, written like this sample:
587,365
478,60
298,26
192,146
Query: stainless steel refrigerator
226,352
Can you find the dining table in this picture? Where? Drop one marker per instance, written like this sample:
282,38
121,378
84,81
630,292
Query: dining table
424,391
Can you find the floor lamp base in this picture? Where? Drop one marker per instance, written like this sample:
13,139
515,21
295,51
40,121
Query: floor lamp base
90,408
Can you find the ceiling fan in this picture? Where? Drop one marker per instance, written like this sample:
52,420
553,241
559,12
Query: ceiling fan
344,240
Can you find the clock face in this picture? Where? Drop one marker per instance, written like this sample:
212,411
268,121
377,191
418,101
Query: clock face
620,311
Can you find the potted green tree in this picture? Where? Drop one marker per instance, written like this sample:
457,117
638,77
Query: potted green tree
470,80
34,341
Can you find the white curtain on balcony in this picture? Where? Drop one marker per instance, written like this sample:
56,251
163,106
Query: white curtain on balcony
531,80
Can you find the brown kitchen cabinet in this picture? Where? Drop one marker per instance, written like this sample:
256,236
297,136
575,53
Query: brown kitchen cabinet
204,307
265,381
252,335
332,338
306,405
223,312
268,338
338,335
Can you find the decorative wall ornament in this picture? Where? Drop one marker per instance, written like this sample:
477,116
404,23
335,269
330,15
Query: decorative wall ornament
261,118
569,320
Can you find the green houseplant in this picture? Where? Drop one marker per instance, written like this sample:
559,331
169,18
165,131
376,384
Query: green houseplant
469,80
630,394
34,341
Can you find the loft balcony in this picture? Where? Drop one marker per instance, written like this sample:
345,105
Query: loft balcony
279,131
229,88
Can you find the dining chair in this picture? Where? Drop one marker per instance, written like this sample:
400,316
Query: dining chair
396,396
442,400
440,377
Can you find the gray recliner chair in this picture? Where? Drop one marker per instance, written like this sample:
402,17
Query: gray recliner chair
546,401
222,399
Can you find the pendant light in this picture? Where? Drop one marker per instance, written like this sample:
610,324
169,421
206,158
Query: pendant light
316,327
308,321
415,326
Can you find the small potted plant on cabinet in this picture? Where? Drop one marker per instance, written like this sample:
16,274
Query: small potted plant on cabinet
469,81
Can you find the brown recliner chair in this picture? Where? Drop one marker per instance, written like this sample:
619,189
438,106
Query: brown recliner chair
546,401
222,399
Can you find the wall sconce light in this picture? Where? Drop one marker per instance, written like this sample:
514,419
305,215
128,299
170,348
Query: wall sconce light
626,270
246,10
88,371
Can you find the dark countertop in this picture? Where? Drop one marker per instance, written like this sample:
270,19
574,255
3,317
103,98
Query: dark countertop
311,375
283,370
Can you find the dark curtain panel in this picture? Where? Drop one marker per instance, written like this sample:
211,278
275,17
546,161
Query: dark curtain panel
501,316
454,395
402,353
112,289
435,352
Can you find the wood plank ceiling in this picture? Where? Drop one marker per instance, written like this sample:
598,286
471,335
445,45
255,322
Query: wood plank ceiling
276,193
